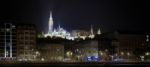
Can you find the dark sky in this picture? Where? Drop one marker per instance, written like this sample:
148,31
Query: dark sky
109,15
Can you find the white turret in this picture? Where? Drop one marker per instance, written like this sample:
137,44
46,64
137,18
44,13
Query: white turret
92,33
99,31
92,30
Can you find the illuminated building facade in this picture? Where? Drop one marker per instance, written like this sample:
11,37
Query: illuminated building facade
62,33
26,42
121,44
80,34
7,41
59,32
128,42
92,33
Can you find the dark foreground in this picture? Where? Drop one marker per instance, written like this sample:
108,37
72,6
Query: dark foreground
83,64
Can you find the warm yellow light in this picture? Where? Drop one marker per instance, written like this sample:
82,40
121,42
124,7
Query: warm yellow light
69,53
101,53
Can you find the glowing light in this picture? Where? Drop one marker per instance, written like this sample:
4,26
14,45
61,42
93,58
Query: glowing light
101,53
122,53
42,59
147,53
147,38
89,57
69,53
128,54
91,36
96,56
37,53
83,37
142,58
20,60
116,54
99,31
77,50
62,33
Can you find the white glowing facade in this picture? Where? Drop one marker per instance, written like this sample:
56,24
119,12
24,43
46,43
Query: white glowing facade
62,33
99,31
59,32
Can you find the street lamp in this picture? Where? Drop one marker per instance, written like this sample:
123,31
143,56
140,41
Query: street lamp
37,53
69,55
101,53
112,57
122,53
42,59
142,58
147,53
128,54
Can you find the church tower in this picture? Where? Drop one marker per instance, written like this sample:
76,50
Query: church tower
99,31
92,30
50,23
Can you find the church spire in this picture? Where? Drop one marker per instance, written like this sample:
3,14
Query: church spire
59,26
50,23
92,30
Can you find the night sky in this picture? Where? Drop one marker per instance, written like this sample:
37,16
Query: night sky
109,15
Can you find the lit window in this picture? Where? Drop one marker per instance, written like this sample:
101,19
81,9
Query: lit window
13,26
8,30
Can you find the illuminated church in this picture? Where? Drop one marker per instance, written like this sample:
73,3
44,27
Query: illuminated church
62,33
58,32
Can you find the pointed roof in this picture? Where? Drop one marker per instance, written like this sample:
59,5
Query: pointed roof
99,31
92,30
50,15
